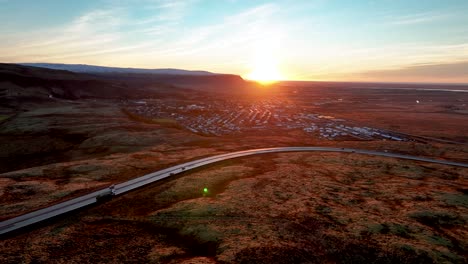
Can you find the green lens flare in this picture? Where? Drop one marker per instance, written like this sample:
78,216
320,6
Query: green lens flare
205,190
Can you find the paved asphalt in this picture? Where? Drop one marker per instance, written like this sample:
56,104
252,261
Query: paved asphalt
118,189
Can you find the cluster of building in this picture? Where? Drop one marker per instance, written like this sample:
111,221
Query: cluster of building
333,131
227,117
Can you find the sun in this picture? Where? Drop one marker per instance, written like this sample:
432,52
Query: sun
265,70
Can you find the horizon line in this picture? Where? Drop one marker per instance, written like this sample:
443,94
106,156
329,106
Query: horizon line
246,79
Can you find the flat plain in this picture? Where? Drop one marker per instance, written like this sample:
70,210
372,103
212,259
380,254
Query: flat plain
282,208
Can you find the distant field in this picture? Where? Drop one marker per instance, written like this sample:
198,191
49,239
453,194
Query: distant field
166,122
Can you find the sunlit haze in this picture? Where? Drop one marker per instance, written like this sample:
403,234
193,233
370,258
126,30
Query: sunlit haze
264,63
233,131
389,41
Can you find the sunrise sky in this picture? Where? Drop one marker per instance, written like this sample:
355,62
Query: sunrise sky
345,40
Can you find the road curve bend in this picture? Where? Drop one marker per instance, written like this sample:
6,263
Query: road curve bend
121,188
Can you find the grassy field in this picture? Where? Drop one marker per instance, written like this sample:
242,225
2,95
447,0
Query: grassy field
282,208
165,122
4,117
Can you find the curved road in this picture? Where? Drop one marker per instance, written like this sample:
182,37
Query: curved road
82,201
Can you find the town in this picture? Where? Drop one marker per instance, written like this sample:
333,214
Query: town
223,117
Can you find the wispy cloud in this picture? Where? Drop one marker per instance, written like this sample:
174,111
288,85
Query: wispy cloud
99,31
161,33
105,36
453,72
411,19
166,11
250,22
233,37
93,30
343,62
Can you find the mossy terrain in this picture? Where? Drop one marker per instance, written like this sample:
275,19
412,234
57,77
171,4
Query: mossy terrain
276,208
279,208
165,122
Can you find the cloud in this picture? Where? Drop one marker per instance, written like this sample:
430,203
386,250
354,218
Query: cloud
150,33
419,18
158,33
97,29
166,11
104,30
228,42
452,72
342,62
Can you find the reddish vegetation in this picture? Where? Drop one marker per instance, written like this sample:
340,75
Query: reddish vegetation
435,114
282,208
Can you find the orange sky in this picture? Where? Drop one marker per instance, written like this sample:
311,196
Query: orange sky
333,40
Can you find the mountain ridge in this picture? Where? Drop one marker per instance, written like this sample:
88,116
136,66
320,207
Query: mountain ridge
85,68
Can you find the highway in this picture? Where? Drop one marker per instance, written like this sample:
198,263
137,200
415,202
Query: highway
121,188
